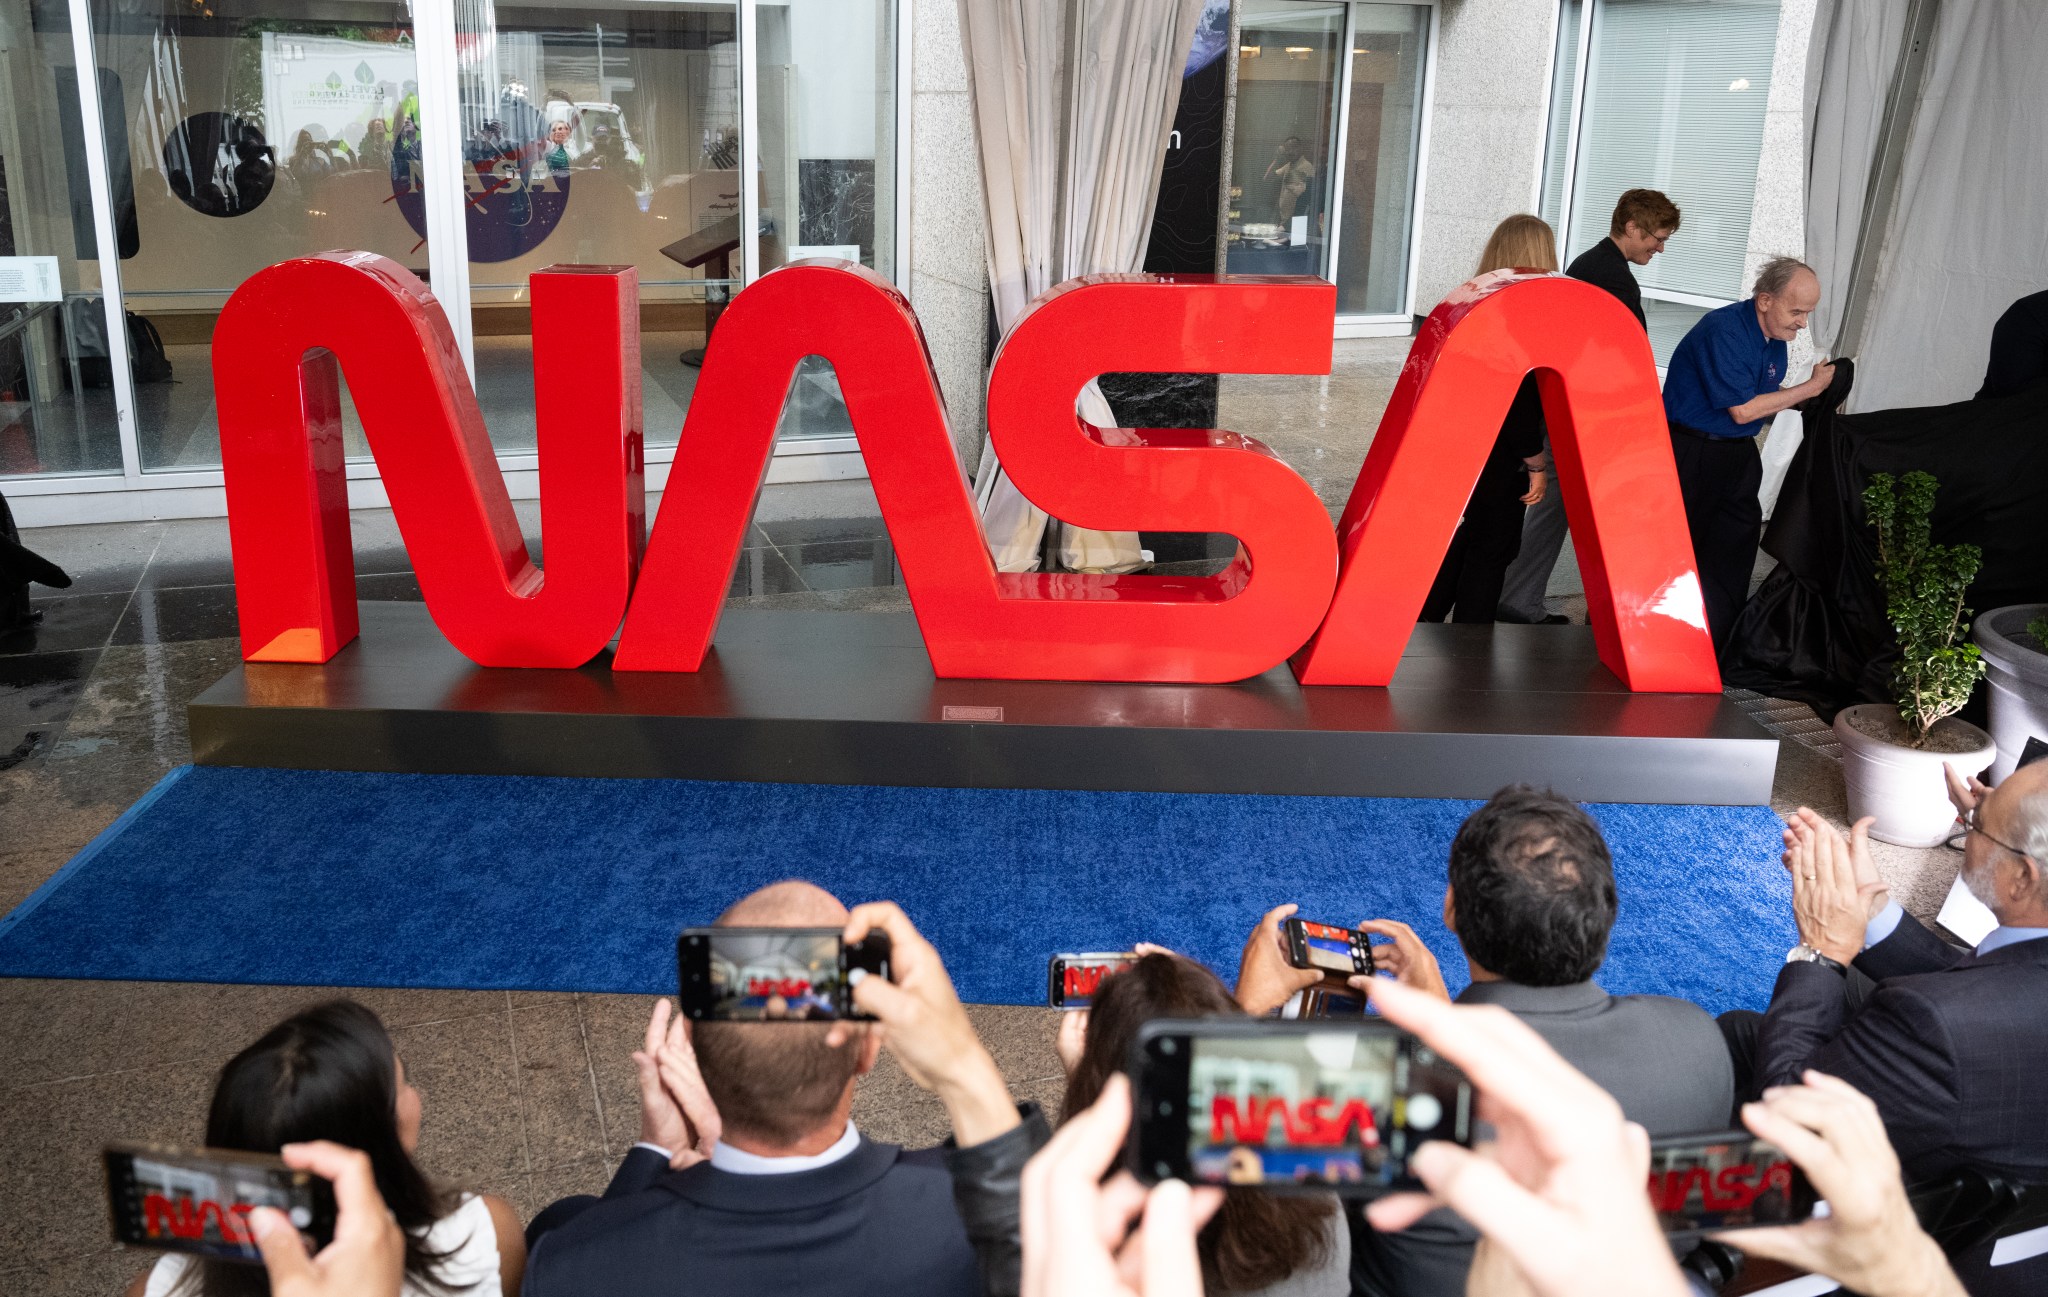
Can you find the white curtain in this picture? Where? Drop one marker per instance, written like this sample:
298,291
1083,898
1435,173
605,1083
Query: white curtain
1072,125
1966,235
1849,62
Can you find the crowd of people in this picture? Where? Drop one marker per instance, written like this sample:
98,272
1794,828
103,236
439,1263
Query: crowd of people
1885,1057
1725,379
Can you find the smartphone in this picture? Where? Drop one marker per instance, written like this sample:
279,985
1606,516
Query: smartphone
1071,980
1289,1104
1342,951
1730,1180
198,1200
1325,1001
773,974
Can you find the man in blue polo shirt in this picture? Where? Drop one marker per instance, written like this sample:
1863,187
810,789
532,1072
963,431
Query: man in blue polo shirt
1724,381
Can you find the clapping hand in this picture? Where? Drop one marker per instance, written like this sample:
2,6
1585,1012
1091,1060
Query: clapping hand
1836,889
1265,980
1078,1240
1963,792
676,1111
1870,1241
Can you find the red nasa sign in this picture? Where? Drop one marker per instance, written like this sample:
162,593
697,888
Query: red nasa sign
1339,603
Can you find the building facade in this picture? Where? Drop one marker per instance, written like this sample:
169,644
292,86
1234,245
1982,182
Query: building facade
474,141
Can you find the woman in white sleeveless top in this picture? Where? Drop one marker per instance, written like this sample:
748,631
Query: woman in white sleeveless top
331,1073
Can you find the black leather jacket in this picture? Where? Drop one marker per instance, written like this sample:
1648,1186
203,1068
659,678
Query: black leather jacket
987,1183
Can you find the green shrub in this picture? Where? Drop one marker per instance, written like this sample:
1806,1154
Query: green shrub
2038,628
1924,584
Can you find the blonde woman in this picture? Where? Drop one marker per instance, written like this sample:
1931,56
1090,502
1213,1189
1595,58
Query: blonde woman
1468,585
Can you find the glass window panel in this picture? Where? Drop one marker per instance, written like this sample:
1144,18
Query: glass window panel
246,138
1384,120
599,134
56,394
1675,94
826,101
1284,138
1668,322
1564,85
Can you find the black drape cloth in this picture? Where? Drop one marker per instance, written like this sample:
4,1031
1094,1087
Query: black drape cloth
2019,348
1816,630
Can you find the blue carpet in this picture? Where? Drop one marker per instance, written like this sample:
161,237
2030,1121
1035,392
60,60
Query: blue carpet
321,878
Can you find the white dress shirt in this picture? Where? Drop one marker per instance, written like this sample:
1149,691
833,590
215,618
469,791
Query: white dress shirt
740,1162
1887,922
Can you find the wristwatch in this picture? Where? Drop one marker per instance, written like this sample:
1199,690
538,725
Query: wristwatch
1805,954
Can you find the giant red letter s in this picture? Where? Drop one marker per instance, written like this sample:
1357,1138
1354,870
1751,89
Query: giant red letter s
976,622
1607,430
281,448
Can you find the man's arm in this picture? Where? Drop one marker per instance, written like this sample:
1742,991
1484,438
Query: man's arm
986,1185
1765,404
1899,946
1898,1051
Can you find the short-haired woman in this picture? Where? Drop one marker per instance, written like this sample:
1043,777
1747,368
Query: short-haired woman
1468,585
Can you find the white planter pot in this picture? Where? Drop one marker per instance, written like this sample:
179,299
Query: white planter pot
2018,675
1903,787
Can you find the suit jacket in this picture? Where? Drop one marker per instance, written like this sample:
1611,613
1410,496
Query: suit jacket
1952,1047
1603,266
880,1220
1664,1060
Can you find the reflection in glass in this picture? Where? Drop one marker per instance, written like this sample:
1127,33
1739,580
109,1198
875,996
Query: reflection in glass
56,384
826,80
599,137
1280,183
249,137
1384,123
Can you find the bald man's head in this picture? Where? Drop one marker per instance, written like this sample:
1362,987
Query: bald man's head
779,1083
791,903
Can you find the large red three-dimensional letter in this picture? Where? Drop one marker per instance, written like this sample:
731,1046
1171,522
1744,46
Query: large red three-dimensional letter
977,622
276,346
1608,434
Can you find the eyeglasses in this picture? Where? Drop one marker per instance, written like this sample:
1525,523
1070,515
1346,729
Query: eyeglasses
1972,823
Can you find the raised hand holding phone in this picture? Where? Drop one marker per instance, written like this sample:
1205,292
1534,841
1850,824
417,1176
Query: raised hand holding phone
1559,1190
1869,1241
1077,1228
367,1256
926,1028
1403,957
1265,978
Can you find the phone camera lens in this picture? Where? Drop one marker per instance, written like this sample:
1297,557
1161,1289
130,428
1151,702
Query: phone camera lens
301,1217
1166,1107
1166,1046
1162,1170
1424,1112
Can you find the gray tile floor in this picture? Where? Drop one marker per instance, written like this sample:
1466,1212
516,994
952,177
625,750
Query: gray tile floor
528,1095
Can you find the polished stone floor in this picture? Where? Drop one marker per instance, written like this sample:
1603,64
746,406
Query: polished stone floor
528,1095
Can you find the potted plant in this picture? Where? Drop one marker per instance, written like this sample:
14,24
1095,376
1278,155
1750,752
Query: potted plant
1892,755
2015,644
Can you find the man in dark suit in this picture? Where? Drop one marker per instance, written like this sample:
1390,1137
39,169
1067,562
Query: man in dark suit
1643,221
1532,901
1951,1045
750,1176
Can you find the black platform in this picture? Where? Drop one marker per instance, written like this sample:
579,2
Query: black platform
849,698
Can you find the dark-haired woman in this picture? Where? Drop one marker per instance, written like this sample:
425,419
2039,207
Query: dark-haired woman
331,1073
1273,1245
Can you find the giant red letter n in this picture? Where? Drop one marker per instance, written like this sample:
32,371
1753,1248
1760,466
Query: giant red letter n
275,380
1607,431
